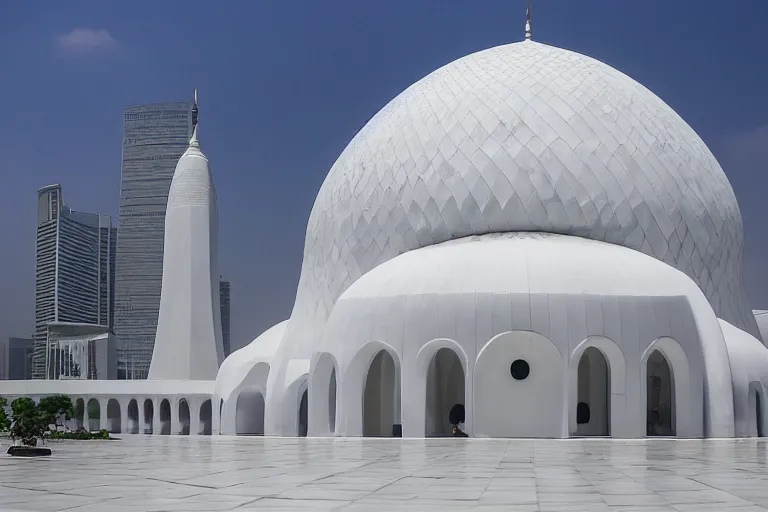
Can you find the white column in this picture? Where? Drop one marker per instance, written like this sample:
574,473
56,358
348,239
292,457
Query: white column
413,403
124,414
156,425
469,399
85,419
140,403
194,415
175,424
103,418
216,417
229,420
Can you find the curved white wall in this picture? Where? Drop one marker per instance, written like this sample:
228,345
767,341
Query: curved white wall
531,407
749,370
566,289
246,368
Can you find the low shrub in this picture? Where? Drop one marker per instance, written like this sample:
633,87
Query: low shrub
81,435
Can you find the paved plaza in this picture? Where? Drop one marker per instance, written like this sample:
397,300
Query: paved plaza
155,473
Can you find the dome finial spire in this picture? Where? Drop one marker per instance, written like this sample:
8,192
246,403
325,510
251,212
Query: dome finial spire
528,22
193,142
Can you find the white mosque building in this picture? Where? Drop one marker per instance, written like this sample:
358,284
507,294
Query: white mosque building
526,232
530,233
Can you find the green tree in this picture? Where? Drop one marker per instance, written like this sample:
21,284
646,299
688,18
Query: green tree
57,409
5,422
29,422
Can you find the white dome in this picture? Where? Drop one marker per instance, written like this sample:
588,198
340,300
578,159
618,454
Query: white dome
565,288
761,318
521,137
236,367
524,137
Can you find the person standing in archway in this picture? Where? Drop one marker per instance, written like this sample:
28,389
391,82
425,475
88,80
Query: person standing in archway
457,417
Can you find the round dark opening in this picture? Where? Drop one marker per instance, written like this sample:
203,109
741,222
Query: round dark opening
519,369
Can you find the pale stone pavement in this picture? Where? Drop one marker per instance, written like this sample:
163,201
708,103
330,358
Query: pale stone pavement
159,473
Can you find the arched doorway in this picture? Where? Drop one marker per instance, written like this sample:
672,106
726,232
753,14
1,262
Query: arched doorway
322,385
133,417
221,415
381,404
184,417
149,412
206,418
445,388
113,416
519,387
660,414
249,413
94,415
303,415
332,403
165,417
593,394
80,414
755,403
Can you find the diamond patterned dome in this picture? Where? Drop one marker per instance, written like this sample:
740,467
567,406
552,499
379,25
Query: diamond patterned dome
523,137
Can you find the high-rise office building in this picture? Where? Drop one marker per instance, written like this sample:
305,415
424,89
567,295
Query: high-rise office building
224,294
16,358
154,138
4,353
75,255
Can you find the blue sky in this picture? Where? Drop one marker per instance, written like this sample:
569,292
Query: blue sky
285,84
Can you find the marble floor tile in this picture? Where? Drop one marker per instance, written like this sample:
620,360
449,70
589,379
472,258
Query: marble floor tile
179,473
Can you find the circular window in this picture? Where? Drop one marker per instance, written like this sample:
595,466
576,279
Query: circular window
519,369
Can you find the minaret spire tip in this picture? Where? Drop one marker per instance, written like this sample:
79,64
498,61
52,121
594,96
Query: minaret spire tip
193,142
528,33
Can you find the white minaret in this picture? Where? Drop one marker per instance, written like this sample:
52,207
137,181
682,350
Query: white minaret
188,342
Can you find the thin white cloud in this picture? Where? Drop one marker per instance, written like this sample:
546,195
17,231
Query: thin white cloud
86,41
747,151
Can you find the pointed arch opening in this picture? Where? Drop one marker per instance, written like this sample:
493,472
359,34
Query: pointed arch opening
80,414
381,404
445,390
165,417
660,414
593,417
249,413
756,409
133,416
304,414
332,402
113,416
322,387
220,419
184,417
94,415
206,418
149,416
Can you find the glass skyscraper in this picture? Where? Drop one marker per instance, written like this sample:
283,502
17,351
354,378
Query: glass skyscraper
75,254
154,138
224,297
16,358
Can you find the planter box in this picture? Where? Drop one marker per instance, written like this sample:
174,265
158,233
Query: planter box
28,451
